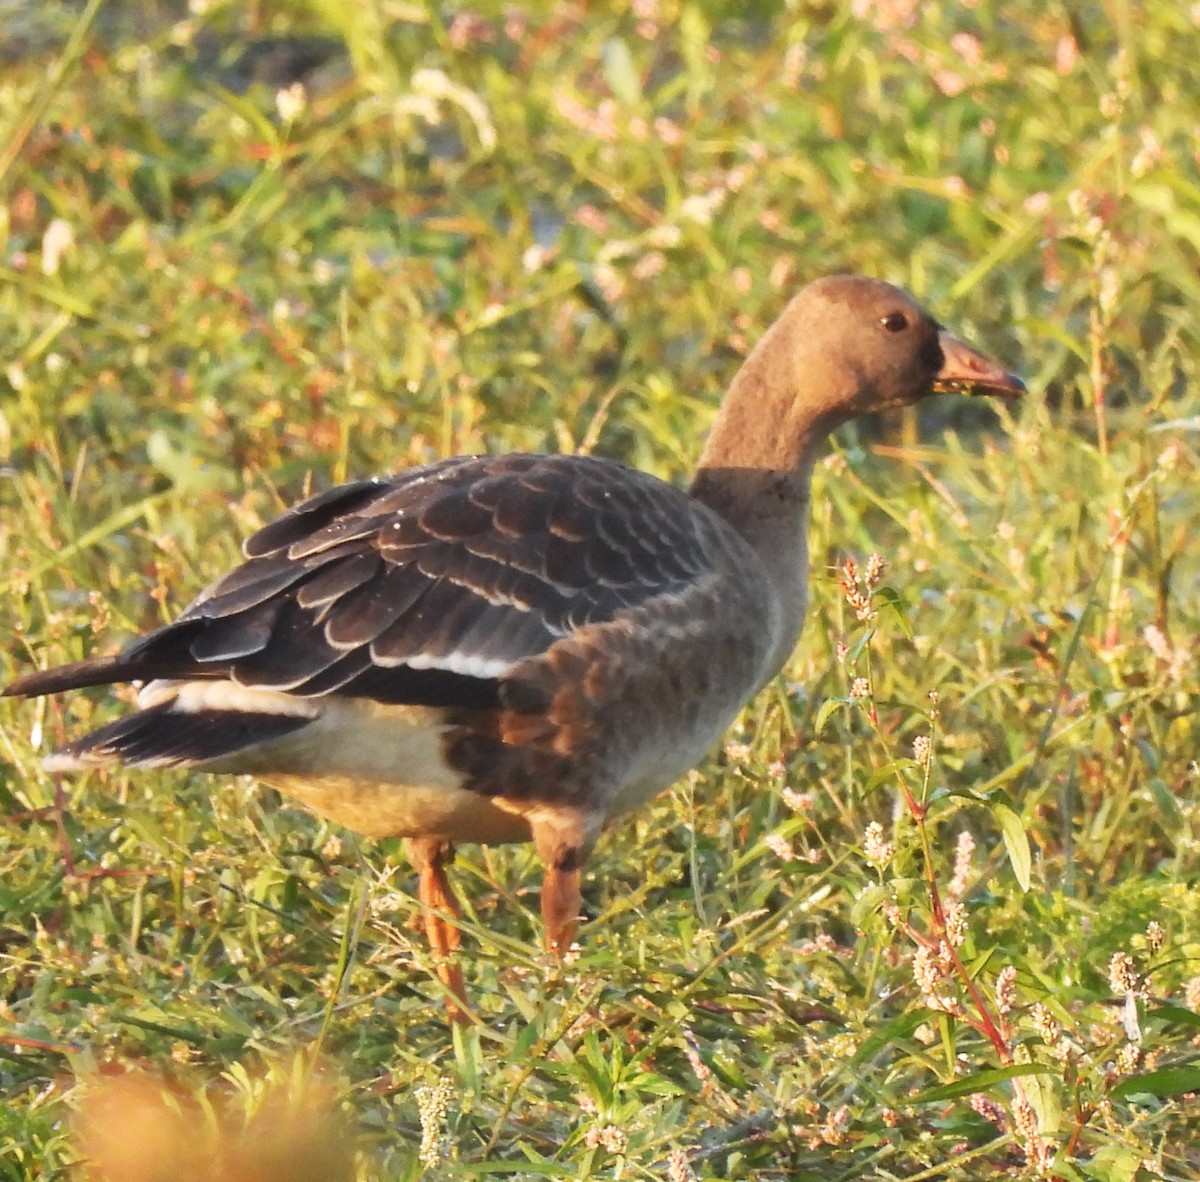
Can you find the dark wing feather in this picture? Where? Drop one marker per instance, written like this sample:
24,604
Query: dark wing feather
367,612
308,518
337,579
163,737
255,628
425,588
253,583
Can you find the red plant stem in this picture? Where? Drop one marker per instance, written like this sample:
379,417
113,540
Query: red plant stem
986,1023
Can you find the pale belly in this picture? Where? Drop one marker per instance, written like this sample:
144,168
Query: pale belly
381,809
379,770
396,784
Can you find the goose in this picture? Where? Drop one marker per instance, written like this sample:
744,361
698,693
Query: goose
521,647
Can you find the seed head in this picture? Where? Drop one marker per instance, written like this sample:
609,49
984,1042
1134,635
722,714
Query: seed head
1171,456
780,847
1122,973
964,847
876,850
989,1110
956,922
1006,989
1128,1058
1025,1119
798,802
922,749
1129,1019
1045,1023
433,1105
1155,935
833,1132
857,589
1037,1152
679,1169
290,101
931,969
609,1137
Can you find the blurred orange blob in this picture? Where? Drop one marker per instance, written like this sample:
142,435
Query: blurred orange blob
136,1127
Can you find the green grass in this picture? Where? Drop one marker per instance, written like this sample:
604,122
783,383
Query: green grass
512,250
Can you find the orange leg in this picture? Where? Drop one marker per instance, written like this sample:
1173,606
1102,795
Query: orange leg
429,856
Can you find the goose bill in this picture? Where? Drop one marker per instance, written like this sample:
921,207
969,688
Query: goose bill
967,371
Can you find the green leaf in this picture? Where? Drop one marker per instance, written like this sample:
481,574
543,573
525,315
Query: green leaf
857,648
869,901
1069,1173
539,1166
1170,1081
1161,200
980,1082
469,1057
694,36
1174,1016
889,771
1114,1163
182,468
1167,804
524,1043
1016,842
1148,754
620,73
826,712
894,1033
892,599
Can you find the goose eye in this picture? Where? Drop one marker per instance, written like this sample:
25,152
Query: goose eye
894,321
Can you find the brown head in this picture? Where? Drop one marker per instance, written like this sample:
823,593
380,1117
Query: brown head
844,347
895,349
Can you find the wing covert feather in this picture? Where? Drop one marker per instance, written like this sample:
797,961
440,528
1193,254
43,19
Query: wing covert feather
425,587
